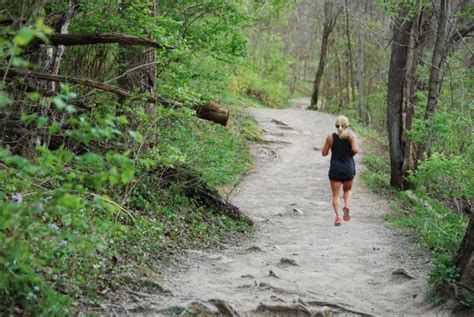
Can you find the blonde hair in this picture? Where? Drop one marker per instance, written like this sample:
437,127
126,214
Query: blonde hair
342,123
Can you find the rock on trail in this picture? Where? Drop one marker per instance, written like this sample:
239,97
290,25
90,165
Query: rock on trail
299,263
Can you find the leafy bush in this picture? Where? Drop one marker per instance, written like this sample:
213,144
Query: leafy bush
445,177
443,272
446,132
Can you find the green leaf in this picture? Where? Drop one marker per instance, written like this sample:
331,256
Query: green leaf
24,36
135,135
4,99
70,109
42,122
53,128
122,120
59,102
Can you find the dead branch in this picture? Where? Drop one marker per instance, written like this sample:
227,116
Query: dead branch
16,72
98,38
209,111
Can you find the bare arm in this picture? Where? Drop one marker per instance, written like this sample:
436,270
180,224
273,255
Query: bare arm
327,145
354,145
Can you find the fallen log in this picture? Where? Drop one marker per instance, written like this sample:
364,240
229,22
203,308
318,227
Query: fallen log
210,111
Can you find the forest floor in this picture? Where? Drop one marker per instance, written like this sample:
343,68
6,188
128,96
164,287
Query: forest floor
296,262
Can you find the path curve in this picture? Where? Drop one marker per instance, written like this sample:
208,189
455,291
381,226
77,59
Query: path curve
348,268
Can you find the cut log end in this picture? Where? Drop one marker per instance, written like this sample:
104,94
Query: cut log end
212,111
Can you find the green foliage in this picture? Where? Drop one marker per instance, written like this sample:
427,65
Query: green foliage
443,272
212,54
438,228
445,177
269,91
211,150
377,165
446,132
71,212
376,176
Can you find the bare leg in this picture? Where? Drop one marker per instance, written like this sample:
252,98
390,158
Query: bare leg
347,188
335,188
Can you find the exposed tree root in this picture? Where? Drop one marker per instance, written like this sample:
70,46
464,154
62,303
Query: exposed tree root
193,187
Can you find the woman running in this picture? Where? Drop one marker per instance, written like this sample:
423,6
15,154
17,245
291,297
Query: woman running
343,146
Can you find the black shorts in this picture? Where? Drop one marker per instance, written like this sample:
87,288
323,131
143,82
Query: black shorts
341,180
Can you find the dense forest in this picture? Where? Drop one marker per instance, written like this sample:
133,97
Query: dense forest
124,129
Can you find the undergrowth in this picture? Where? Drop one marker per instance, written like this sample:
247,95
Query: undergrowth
71,221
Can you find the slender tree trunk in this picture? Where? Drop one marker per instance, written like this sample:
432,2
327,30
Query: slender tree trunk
395,98
361,71
319,73
340,96
60,49
409,94
437,68
329,22
350,58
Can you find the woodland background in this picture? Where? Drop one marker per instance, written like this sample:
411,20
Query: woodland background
106,163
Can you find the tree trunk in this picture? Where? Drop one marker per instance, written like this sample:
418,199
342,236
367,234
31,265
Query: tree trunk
395,98
464,259
350,58
409,94
437,68
60,49
340,85
361,69
329,22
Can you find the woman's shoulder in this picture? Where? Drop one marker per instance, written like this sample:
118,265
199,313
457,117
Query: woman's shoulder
352,136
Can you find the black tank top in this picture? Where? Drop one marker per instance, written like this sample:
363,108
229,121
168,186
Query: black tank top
342,160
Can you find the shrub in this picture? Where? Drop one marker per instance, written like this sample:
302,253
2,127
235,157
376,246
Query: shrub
445,177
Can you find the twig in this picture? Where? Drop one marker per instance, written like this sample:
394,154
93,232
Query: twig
116,205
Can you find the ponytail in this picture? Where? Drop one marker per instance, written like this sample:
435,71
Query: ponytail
342,123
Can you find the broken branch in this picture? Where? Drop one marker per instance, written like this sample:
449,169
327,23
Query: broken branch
99,38
209,111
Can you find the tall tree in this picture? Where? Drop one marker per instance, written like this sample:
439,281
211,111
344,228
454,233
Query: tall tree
415,47
330,18
401,55
361,66
350,58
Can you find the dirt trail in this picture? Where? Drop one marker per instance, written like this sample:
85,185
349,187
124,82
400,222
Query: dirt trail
349,268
